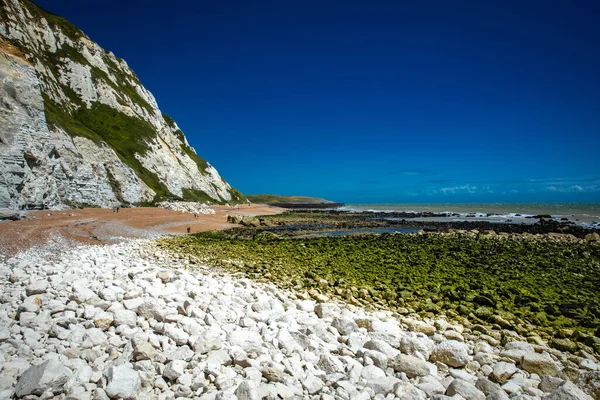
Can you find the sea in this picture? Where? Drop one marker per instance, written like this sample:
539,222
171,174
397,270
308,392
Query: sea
584,214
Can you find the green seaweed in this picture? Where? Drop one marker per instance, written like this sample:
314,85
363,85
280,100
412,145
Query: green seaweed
508,282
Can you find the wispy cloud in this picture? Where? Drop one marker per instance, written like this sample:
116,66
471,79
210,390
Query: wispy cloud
459,189
509,186
572,189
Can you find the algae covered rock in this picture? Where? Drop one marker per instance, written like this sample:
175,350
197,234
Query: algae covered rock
564,345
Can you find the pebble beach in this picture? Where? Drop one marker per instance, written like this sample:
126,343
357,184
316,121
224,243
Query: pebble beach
131,321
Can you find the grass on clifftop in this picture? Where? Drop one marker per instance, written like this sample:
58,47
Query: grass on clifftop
56,21
519,284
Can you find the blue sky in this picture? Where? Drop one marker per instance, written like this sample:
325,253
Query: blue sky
373,101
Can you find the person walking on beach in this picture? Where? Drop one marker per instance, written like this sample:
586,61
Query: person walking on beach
188,229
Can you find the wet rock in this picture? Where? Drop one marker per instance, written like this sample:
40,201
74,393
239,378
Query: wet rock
219,337
592,237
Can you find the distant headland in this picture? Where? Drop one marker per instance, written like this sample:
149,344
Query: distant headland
293,201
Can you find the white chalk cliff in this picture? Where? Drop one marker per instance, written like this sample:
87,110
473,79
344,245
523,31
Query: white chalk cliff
77,126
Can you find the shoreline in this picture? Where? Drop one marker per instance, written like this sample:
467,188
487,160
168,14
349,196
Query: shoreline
131,321
583,214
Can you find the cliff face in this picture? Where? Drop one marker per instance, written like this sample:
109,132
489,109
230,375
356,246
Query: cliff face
77,126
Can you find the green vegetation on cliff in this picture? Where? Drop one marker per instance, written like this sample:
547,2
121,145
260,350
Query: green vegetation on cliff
237,197
55,21
200,162
101,123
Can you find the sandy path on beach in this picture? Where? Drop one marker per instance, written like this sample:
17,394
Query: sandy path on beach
100,225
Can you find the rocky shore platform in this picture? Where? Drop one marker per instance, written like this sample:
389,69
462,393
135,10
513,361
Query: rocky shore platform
131,321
